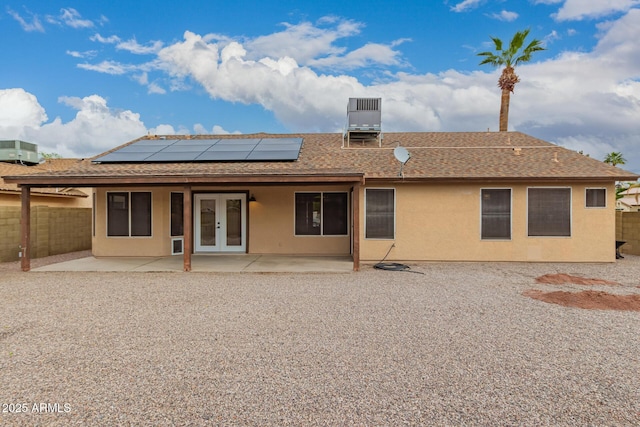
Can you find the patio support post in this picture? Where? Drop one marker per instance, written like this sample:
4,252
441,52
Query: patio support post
25,228
188,226
356,227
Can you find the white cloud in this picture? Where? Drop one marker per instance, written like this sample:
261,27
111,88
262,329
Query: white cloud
134,47
505,15
586,9
106,40
72,18
34,25
95,128
303,42
85,54
19,109
108,67
550,38
163,130
369,54
466,5
155,88
199,129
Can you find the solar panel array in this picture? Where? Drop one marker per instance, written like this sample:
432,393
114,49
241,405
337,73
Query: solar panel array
206,150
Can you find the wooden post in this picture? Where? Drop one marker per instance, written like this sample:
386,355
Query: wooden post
356,227
187,219
25,229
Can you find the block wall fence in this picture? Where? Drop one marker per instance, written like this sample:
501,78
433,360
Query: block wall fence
628,230
53,231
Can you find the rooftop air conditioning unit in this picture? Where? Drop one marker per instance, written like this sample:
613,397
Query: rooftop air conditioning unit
15,151
364,118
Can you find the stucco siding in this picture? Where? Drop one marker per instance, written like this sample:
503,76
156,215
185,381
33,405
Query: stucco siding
270,224
442,223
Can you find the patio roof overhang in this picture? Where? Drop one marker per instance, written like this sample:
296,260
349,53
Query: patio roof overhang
153,180
188,182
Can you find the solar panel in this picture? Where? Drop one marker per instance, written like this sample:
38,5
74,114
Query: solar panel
273,155
118,157
177,148
203,150
164,156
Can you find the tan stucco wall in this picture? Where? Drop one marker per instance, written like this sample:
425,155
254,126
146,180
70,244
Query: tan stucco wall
270,224
53,201
156,245
442,222
433,223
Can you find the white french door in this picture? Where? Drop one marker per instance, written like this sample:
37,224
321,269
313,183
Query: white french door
220,222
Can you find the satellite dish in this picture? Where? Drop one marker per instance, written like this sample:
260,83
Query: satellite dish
402,155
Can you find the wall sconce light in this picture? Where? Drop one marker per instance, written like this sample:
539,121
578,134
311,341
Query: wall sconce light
252,198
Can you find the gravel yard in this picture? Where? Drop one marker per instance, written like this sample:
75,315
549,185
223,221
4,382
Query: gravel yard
458,345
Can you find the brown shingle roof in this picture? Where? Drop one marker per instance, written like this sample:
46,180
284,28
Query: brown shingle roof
435,155
50,165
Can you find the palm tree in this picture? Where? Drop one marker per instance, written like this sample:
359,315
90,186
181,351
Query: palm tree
508,59
615,158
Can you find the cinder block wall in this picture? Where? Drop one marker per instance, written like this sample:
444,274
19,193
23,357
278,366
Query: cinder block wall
53,231
9,233
629,225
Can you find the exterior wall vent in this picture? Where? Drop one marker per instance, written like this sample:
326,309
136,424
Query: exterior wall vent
15,151
364,118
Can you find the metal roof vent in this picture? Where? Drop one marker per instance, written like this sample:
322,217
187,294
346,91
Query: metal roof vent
15,151
364,118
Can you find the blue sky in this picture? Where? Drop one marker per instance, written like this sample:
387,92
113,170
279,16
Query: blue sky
82,77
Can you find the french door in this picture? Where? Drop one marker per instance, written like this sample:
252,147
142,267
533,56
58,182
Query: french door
220,222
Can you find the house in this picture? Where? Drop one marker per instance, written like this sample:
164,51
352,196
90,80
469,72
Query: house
62,214
55,196
630,200
441,196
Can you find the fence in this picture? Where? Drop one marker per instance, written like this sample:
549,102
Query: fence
628,230
53,231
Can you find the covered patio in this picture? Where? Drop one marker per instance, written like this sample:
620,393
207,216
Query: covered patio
227,263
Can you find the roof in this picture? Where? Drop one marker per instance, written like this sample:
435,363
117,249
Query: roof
629,201
445,156
631,191
50,165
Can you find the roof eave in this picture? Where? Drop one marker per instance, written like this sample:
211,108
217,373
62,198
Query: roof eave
448,179
101,181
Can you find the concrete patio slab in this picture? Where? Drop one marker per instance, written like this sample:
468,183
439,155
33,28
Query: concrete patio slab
209,263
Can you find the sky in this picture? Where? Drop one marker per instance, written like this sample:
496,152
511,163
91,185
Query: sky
79,78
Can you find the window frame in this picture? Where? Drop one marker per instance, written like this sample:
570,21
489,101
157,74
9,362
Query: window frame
586,198
394,211
322,231
171,193
570,235
128,206
494,239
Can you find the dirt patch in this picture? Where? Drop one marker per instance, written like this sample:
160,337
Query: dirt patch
591,300
594,300
562,279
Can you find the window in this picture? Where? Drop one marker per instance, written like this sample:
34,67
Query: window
380,213
129,214
596,197
177,214
321,214
496,213
549,211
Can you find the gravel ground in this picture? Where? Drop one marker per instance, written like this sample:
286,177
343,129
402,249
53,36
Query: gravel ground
457,345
